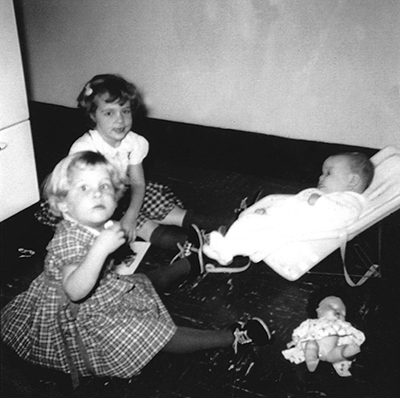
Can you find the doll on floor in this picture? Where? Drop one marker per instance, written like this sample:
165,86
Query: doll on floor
328,338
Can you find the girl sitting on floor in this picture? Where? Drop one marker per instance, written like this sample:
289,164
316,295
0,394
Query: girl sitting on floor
79,315
152,211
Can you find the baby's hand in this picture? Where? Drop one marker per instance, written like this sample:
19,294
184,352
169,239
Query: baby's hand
313,199
111,238
260,211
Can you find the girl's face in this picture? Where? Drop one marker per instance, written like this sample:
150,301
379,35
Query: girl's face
335,175
91,199
331,308
113,121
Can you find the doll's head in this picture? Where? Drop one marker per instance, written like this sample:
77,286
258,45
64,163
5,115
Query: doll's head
348,171
331,307
84,187
109,89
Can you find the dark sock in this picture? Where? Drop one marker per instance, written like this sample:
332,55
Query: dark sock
168,236
165,278
208,222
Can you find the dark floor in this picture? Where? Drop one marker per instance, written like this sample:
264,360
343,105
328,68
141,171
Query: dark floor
217,300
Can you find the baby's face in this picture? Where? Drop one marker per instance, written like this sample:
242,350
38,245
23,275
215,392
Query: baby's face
332,308
335,175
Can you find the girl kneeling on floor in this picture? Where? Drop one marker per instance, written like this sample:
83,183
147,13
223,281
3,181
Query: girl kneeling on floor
79,315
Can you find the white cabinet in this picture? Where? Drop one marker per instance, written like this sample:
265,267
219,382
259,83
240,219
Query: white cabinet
18,182
18,178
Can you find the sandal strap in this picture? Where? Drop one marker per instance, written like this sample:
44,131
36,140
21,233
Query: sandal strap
211,268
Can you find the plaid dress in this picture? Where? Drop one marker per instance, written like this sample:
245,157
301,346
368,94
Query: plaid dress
115,332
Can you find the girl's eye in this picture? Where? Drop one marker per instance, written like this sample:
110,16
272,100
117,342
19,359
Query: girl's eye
127,111
105,187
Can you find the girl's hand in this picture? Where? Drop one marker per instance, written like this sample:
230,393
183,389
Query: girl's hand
111,238
129,224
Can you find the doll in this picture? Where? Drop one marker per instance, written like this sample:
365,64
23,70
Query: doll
328,338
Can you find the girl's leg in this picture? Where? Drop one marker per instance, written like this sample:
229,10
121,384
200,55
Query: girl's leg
163,236
165,277
185,218
146,230
187,340
174,217
191,264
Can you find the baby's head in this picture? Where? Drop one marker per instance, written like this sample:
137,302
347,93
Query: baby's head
347,171
111,89
84,187
331,307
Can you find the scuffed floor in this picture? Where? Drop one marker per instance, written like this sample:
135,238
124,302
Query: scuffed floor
216,301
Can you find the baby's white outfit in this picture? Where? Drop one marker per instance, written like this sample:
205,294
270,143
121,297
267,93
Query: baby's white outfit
257,234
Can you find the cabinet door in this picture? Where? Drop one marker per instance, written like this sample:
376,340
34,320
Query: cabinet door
18,180
13,103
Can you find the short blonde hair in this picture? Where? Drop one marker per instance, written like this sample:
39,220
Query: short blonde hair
58,183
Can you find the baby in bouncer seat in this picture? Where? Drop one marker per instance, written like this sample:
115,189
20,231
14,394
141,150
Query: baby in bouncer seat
335,203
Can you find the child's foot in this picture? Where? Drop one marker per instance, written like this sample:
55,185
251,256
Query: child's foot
218,248
254,331
192,250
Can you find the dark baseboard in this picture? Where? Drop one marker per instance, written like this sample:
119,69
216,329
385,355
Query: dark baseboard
55,128
243,152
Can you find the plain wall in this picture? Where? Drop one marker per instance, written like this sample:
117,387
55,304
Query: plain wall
321,70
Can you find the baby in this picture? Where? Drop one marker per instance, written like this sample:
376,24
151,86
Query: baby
329,338
335,203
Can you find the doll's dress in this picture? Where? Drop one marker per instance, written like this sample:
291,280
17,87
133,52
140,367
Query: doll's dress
317,329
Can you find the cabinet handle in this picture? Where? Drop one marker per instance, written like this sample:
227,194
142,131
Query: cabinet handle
3,145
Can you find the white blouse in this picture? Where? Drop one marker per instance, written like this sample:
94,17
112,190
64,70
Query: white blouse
132,150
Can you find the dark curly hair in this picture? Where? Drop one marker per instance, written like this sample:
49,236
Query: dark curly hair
112,88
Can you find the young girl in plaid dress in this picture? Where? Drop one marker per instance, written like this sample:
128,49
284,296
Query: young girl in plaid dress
110,103
80,316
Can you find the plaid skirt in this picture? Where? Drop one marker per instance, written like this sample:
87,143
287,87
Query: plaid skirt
114,333
158,201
